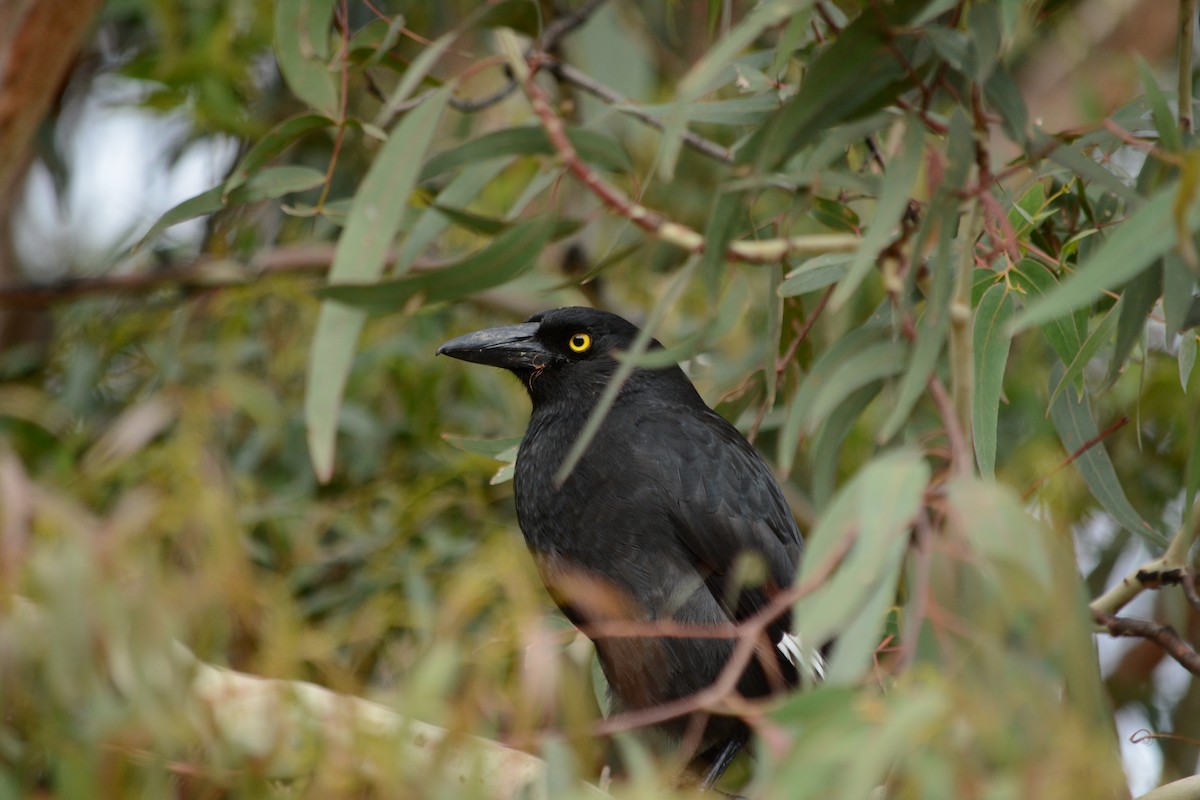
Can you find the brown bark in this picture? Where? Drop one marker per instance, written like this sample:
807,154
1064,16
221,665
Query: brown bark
39,42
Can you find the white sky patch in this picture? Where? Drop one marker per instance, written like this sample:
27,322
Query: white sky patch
121,178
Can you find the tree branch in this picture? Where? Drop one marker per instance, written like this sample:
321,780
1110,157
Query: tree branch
1167,570
1164,636
763,251
587,83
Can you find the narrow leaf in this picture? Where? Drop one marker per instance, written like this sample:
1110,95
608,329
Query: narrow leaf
272,144
374,218
874,511
991,345
1134,245
1076,427
594,148
509,255
893,201
296,49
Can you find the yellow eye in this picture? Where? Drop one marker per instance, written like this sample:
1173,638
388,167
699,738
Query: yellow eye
579,342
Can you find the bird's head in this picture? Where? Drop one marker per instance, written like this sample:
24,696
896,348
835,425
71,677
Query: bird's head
566,348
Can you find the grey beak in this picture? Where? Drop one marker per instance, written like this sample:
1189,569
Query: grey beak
513,347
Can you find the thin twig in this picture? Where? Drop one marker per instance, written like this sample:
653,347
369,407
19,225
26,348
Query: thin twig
1189,588
587,83
546,43
1083,448
749,638
1153,574
1187,26
763,251
1164,636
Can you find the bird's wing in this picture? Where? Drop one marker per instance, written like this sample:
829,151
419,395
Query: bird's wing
725,504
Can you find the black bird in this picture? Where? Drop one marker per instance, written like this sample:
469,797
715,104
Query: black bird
670,515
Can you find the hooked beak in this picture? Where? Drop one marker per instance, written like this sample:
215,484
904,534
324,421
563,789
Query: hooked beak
512,347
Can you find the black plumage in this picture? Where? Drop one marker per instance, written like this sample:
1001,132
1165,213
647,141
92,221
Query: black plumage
670,514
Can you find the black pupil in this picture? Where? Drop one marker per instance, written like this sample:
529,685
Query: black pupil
578,340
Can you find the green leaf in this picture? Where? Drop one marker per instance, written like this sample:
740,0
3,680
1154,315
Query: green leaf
932,328
876,362
1073,420
264,185
815,273
893,201
983,21
1100,337
798,409
723,220
831,93
1139,298
492,226
413,76
1065,334
513,252
699,79
1187,358
874,512
362,249
594,148
1077,163
1164,120
1135,244
990,517
460,191
272,144
491,448
827,444
1178,284
991,344
301,41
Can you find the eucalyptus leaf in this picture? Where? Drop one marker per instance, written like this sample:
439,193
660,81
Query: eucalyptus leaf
991,345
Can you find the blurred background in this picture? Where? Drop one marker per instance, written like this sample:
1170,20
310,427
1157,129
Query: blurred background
156,474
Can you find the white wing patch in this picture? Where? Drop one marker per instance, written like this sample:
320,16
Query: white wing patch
809,662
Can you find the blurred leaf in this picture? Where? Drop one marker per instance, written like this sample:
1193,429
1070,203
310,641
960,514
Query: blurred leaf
263,185
832,94
874,512
1098,338
942,220
413,76
301,34
1065,334
893,201
798,410
1179,283
463,189
1186,358
983,21
272,144
1133,246
875,362
1076,427
1138,299
510,254
815,273
1164,120
374,217
594,148
736,111
991,518
723,222
491,448
699,79
827,444
492,226
991,345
